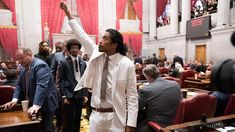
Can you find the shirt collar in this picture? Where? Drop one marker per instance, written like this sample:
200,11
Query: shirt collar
73,58
112,57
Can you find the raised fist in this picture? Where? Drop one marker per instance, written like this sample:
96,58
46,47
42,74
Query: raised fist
63,5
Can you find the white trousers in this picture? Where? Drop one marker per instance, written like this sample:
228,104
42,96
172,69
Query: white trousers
105,122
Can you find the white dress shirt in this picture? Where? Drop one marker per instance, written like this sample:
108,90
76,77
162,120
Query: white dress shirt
111,64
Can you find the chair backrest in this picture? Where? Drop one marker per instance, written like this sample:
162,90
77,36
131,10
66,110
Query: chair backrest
6,93
163,70
193,108
184,75
230,107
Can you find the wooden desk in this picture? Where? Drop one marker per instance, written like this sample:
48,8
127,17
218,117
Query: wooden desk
197,83
198,126
18,121
194,91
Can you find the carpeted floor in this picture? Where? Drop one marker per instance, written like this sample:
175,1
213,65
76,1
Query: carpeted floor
84,122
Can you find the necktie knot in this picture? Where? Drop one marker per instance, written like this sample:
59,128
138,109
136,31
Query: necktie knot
107,58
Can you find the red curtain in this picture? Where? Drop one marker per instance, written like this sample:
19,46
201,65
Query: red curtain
53,15
136,43
133,41
11,5
88,13
120,9
138,9
161,7
126,39
8,40
192,4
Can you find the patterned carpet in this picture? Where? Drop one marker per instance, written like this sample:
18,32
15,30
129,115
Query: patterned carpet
84,122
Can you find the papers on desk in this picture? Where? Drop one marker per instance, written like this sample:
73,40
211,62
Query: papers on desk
226,129
141,85
191,93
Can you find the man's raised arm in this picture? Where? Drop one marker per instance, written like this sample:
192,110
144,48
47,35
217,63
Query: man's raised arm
64,7
88,44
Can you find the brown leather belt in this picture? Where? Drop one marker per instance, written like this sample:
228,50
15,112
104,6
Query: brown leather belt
103,110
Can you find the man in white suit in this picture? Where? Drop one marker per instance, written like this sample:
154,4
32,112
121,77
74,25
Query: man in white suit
116,109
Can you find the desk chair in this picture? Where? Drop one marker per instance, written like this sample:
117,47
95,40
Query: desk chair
230,107
192,109
6,93
184,75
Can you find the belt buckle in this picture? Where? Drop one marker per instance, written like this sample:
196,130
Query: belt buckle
96,109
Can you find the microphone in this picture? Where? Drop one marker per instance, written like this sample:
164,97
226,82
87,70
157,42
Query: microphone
233,38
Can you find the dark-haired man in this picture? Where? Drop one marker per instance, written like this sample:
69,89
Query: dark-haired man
71,70
43,51
111,76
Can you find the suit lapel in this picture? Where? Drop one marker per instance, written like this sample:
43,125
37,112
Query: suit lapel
80,66
115,74
71,66
30,77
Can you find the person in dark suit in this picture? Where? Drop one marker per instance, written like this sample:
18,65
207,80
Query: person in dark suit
159,99
57,57
177,59
200,67
36,85
58,48
138,59
43,51
72,68
154,59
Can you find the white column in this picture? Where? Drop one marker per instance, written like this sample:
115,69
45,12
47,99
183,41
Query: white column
152,19
223,13
185,14
28,15
174,17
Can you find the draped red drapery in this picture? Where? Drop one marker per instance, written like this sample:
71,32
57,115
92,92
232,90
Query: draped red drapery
11,5
192,4
8,40
162,3
136,43
138,9
53,15
88,13
161,7
120,9
133,41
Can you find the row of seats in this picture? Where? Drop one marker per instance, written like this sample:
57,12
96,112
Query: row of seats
193,108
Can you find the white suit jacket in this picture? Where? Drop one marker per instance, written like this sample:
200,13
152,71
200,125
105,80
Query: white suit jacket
124,92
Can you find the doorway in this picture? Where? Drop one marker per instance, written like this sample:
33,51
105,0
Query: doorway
161,53
201,53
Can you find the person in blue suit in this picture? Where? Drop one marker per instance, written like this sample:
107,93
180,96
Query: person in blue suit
35,84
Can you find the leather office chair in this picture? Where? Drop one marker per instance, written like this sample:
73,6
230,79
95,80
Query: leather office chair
230,107
184,75
192,109
6,93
